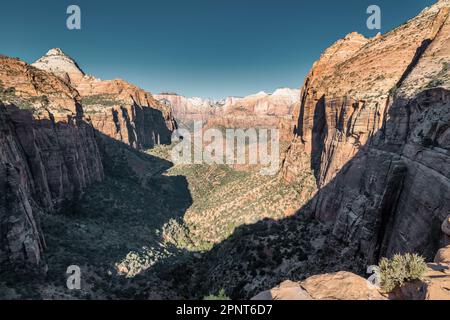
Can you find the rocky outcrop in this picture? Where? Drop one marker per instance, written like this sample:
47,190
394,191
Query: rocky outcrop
116,108
373,125
44,165
333,286
186,109
287,290
126,113
443,256
53,119
58,63
279,103
261,110
435,285
446,226
48,156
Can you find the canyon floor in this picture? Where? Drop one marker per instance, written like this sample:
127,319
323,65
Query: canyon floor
132,232
87,179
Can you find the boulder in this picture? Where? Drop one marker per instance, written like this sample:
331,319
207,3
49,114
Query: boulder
333,286
341,286
446,226
443,256
287,290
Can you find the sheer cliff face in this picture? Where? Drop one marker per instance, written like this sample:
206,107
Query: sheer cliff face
51,116
373,124
191,109
260,110
116,108
48,155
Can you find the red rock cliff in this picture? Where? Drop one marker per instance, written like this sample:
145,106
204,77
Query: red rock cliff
116,108
48,156
373,125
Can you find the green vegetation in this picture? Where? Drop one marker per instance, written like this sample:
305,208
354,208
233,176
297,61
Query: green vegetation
435,83
445,67
441,77
8,95
100,99
148,225
225,198
393,90
400,269
222,296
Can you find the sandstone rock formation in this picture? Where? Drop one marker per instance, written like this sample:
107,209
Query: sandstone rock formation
341,286
287,290
348,286
58,63
261,110
116,108
446,226
54,121
334,286
443,256
280,103
373,124
48,156
191,109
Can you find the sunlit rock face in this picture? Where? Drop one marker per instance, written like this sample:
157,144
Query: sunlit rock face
53,118
58,63
373,125
116,108
260,110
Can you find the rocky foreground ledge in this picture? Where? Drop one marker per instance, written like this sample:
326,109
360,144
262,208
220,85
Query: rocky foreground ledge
435,285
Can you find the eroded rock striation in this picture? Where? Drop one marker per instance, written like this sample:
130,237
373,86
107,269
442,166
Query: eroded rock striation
54,121
48,156
260,110
116,108
374,124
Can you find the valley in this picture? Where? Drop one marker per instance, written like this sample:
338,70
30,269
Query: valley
87,179
125,229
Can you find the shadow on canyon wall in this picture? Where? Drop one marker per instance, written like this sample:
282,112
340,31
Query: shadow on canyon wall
122,215
100,225
391,197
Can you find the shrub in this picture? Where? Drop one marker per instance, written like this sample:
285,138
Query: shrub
400,269
220,296
393,90
100,99
445,67
435,83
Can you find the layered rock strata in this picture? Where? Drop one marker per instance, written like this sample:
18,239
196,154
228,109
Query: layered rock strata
373,123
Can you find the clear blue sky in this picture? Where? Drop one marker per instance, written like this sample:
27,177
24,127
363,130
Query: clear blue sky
208,48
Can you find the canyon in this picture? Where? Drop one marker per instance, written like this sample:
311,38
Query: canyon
374,120
260,110
86,175
51,150
372,127
116,108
